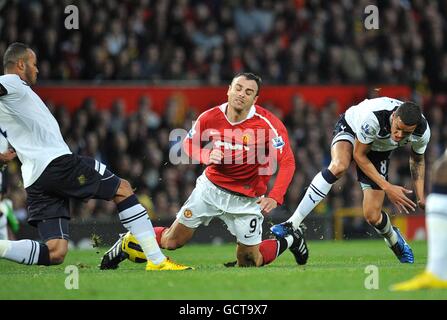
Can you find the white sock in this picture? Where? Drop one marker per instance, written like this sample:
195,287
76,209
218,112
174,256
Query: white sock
22,251
317,191
436,220
136,220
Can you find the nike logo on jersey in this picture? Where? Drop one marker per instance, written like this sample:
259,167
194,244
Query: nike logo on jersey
249,236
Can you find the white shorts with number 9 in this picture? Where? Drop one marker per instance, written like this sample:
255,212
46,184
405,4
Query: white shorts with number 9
242,215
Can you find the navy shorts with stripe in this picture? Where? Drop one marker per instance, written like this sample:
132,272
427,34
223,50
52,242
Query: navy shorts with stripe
68,177
380,159
342,131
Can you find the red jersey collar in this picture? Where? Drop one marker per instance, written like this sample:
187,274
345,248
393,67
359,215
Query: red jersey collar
251,113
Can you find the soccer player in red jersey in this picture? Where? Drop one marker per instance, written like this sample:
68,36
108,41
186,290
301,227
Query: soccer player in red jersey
246,144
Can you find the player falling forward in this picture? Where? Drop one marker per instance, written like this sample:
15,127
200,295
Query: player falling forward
247,141
52,174
369,132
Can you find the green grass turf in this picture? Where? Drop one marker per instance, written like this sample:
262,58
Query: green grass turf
336,270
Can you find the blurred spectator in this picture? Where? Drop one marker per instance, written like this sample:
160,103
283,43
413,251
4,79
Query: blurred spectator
208,41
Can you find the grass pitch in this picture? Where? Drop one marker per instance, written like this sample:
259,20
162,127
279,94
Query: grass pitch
336,270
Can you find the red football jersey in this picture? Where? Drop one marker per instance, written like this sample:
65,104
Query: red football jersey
253,148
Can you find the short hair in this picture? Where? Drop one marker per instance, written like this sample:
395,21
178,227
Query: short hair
13,53
251,76
410,113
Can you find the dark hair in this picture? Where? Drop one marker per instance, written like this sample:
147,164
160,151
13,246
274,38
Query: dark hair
13,53
250,76
410,113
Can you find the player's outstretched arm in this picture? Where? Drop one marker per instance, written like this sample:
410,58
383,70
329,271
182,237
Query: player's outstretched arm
417,169
283,154
396,194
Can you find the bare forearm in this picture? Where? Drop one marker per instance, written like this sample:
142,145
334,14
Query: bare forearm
368,168
417,169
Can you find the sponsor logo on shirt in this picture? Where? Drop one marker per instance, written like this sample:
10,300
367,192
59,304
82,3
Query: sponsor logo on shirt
229,146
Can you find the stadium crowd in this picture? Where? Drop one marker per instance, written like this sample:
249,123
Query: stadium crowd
207,42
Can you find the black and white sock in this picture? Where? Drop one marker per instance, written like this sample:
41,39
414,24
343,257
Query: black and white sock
385,229
317,191
135,218
25,252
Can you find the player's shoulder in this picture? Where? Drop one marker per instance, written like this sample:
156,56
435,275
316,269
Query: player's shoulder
207,114
266,115
10,83
378,110
380,104
422,128
212,112
11,78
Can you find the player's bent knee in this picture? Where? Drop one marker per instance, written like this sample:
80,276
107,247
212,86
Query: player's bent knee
338,167
372,217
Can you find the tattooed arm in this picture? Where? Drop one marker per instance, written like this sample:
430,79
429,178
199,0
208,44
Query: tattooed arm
417,168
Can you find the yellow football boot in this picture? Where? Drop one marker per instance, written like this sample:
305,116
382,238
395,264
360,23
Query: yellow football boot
425,280
167,264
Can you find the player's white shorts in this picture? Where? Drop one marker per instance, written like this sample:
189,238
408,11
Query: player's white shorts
242,215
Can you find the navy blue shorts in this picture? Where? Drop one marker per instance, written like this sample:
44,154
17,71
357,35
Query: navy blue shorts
68,177
56,228
381,161
342,132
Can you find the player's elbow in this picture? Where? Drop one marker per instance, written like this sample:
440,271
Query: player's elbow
289,163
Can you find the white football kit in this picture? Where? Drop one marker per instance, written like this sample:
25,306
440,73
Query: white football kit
242,215
29,127
370,122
